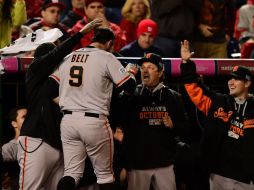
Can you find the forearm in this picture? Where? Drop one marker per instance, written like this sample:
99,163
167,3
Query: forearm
129,86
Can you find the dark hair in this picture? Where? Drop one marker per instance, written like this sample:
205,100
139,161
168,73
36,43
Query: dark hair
103,35
43,49
6,10
14,113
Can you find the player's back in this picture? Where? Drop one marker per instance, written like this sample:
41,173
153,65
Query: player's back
86,78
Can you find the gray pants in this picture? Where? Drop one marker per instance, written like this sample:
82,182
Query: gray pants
218,182
84,136
41,165
160,178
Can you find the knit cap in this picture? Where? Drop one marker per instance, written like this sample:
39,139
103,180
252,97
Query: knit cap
91,1
50,3
149,26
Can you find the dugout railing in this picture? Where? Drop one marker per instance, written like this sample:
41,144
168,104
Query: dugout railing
12,89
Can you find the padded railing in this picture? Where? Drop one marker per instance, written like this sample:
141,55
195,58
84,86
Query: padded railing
206,67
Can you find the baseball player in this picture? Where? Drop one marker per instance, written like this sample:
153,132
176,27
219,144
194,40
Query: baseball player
86,83
9,150
39,153
227,142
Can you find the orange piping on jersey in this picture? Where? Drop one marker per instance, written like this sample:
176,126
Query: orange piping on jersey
202,102
248,126
123,81
249,123
110,150
55,77
24,164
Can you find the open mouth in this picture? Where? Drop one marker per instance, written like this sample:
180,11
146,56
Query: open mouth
146,77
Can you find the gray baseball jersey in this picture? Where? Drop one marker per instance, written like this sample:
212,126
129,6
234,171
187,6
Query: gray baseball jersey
86,82
10,150
86,78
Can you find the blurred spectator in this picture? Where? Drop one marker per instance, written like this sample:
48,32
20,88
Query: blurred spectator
176,21
146,32
68,7
113,10
95,9
76,14
33,8
51,10
244,28
10,149
12,14
133,12
215,28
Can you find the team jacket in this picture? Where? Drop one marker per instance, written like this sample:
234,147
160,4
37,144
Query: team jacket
42,120
228,140
147,142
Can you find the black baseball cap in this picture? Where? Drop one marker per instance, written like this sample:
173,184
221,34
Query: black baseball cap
50,3
153,58
241,72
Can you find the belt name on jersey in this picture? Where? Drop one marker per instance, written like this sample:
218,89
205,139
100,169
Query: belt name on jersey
79,58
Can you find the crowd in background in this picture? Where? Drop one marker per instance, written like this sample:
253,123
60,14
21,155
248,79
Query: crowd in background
214,28
217,29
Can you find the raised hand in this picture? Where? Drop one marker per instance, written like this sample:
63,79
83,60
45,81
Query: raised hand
91,25
185,51
105,23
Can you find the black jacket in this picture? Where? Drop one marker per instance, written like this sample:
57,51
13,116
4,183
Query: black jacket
42,119
147,142
175,19
229,129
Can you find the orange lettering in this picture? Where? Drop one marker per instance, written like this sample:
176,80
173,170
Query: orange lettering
221,114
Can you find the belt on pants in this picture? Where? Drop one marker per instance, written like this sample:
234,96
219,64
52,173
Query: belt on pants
88,114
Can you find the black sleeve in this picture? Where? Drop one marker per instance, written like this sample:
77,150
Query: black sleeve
129,86
181,119
43,66
53,88
188,72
